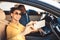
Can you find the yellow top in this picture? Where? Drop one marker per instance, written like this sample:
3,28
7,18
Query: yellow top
14,30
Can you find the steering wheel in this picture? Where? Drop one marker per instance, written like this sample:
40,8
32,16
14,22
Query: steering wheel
56,26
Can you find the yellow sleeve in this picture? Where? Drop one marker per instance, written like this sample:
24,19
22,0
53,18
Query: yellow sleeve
13,32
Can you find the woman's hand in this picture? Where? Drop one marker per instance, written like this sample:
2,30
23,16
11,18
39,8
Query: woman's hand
30,27
31,23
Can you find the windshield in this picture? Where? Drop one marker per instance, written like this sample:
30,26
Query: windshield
51,2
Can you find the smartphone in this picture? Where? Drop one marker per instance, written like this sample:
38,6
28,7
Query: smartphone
39,24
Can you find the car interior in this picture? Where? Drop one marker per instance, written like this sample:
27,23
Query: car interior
41,15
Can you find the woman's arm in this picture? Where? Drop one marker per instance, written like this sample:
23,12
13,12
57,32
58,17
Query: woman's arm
29,28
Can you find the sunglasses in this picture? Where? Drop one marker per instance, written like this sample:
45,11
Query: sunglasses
18,13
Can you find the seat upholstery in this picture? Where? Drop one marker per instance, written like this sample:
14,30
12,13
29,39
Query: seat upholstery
3,22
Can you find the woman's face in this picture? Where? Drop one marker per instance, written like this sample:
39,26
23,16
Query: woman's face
16,15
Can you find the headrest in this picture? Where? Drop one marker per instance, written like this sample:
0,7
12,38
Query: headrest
2,15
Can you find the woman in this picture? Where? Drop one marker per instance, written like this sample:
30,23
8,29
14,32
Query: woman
15,30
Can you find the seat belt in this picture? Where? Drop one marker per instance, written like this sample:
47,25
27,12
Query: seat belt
27,16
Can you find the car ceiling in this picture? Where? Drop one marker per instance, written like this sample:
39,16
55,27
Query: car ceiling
39,4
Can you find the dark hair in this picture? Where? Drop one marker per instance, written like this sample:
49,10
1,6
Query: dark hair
21,6
13,9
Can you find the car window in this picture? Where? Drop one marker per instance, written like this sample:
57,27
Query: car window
33,12
30,9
